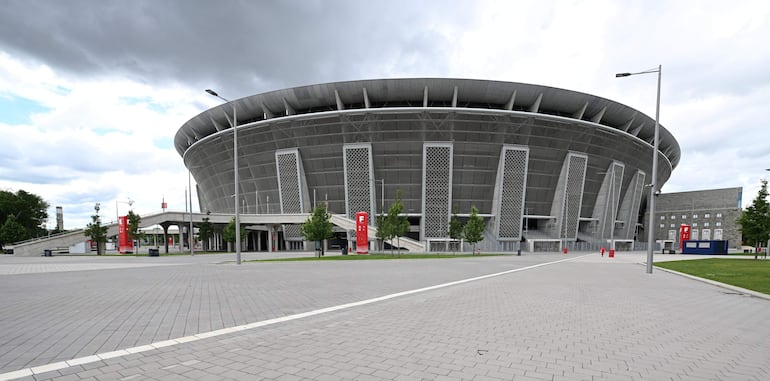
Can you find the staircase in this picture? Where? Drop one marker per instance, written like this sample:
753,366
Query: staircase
405,243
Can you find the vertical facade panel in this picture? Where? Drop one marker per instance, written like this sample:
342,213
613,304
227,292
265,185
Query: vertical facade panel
511,190
608,201
629,210
436,189
288,167
568,199
359,193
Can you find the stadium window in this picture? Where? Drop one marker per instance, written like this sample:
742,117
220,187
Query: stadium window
718,223
707,215
684,216
705,224
695,224
662,226
673,217
673,225
694,216
662,217
719,215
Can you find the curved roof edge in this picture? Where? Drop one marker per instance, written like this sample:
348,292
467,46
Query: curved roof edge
427,92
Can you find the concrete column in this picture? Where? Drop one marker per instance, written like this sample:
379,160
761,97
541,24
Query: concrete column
165,237
181,236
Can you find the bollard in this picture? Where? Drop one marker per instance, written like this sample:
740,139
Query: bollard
565,250
612,253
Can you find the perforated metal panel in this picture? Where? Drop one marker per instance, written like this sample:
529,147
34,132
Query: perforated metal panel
359,194
512,188
572,198
609,199
287,164
629,210
436,189
287,167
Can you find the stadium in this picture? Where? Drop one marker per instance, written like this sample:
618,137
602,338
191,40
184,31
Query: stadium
544,166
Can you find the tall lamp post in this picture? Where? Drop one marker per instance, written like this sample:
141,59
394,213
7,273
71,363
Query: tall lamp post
190,235
653,183
768,239
235,179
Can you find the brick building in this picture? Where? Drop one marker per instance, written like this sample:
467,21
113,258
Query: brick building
712,215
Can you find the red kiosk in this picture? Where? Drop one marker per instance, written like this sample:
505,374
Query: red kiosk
124,244
684,235
362,233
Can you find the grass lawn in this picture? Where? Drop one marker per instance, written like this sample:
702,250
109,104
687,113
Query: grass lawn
749,274
356,257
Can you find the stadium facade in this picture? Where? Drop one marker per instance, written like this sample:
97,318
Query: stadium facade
542,165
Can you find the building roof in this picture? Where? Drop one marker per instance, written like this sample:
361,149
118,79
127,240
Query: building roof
459,94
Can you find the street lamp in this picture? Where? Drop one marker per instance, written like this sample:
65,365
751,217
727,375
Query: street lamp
235,179
653,182
190,237
768,239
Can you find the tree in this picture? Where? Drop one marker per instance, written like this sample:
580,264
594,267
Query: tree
29,210
397,224
755,220
205,231
228,233
96,232
317,227
12,231
383,230
133,228
474,228
455,228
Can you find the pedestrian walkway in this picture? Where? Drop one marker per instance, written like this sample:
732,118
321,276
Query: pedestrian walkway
534,317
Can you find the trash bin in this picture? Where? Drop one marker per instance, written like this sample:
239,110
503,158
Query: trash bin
47,253
154,252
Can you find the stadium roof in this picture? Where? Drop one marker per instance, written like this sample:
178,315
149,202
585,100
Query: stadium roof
445,93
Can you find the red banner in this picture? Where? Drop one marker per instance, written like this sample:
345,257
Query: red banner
362,233
684,234
124,243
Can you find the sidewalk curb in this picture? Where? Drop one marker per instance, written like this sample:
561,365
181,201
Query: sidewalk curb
719,284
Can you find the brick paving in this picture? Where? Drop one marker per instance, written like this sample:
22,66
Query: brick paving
591,318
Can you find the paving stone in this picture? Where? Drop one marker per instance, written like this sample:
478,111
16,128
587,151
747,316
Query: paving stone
581,319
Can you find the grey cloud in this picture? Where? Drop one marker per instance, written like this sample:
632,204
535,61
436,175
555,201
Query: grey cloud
244,47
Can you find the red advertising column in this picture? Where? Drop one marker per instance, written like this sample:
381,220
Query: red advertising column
362,233
124,244
684,235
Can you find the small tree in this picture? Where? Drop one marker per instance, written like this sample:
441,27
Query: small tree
228,233
96,232
133,231
398,225
12,231
28,210
474,229
383,230
205,231
456,228
755,220
317,227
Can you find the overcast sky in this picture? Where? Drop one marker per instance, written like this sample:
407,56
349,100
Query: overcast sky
93,91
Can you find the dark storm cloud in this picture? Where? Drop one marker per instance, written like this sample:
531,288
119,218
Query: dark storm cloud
241,46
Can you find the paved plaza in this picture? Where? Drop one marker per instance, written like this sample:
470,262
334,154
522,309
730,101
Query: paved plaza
539,316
